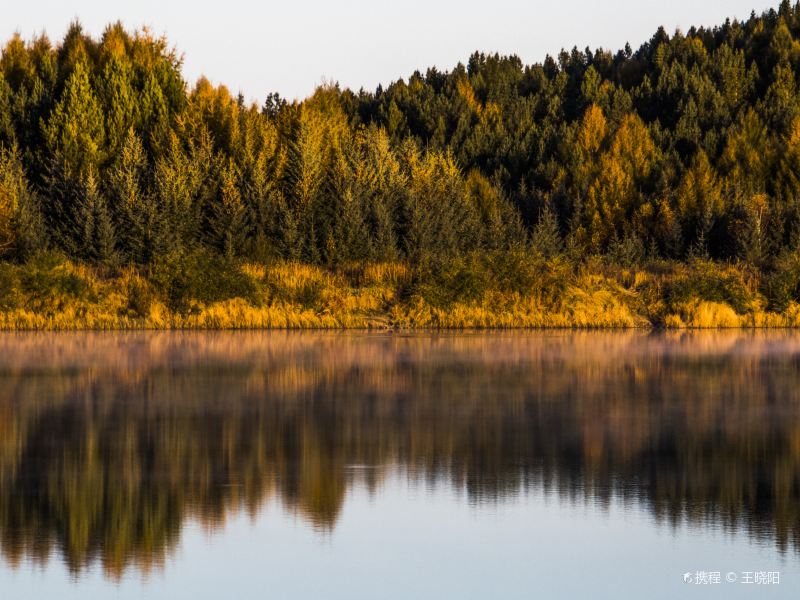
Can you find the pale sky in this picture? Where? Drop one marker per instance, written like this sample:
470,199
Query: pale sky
257,47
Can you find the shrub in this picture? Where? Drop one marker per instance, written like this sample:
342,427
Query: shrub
140,297
782,283
204,277
513,271
626,252
295,283
49,277
442,283
9,287
707,281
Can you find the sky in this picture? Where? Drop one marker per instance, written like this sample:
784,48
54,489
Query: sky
257,47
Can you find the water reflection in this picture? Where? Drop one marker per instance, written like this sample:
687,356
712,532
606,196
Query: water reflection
109,442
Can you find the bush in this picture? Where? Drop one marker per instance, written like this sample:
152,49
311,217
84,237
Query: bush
296,283
707,281
9,287
49,277
204,277
140,297
781,284
443,283
626,252
513,271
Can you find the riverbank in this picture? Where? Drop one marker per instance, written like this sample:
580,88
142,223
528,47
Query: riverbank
53,293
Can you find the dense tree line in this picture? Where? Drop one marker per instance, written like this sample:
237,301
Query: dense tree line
107,158
689,145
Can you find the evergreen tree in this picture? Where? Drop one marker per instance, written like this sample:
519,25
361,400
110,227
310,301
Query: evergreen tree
21,225
546,238
700,201
227,223
181,186
74,132
95,235
62,190
119,101
141,222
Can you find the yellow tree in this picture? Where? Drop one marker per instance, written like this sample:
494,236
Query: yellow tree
787,180
746,160
589,140
615,193
9,198
315,133
700,200
378,175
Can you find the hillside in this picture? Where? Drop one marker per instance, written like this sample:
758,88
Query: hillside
663,180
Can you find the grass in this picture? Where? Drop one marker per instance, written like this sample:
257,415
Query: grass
195,292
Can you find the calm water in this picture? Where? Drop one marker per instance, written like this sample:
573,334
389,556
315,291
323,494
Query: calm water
288,465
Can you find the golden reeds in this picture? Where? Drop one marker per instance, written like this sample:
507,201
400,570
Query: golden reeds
71,296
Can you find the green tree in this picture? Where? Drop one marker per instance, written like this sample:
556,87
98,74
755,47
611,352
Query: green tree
227,222
119,101
74,132
95,235
141,221
22,231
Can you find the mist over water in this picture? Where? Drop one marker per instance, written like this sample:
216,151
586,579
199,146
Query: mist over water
127,460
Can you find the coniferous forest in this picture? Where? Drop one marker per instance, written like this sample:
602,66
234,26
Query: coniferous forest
651,186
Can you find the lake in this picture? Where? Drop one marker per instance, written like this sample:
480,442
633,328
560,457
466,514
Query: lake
430,465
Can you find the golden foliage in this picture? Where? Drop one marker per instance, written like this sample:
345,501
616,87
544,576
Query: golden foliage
291,295
700,193
592,131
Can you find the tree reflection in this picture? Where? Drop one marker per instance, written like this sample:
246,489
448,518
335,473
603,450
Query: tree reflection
109,443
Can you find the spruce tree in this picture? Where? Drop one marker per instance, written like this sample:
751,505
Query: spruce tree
74,132
227,226
22,231
135,206
95,231
546,240
119,101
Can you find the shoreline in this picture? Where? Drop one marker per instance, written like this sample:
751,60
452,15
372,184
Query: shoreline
53,293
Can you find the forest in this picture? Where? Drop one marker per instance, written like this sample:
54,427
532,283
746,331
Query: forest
650,187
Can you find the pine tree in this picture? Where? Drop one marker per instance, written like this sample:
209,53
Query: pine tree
382,182
546,238
22,231
119,101
8,204
95,231
259,162
135,206
439,220
384,237
227,224
7,133
182,178
745,162
291,237
62,189
74,132
305,174
700,201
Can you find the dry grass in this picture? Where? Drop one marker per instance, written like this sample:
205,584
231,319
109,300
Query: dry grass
62,295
